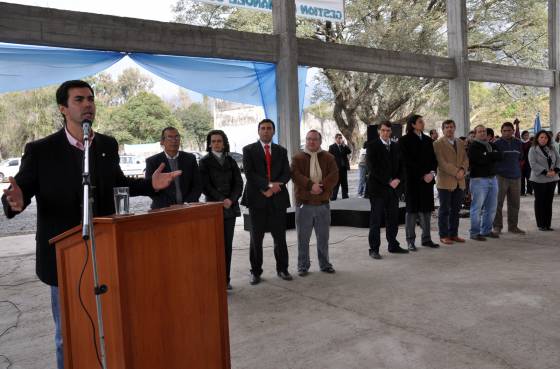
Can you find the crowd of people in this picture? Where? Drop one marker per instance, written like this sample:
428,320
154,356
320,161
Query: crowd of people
487,170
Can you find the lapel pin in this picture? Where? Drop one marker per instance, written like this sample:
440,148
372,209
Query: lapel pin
103,154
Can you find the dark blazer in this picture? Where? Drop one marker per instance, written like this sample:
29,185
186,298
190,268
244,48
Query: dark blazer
254,165
341,156
383,166
190,182
482,162
419,159
220,182
51,170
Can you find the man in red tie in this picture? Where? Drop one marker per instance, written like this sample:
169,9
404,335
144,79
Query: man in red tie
267,171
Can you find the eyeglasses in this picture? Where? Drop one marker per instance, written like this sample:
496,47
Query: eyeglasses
173,138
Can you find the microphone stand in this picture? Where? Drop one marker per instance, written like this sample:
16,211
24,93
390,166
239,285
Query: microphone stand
88,234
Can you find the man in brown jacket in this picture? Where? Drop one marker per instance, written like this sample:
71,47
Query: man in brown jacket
452,165
314,173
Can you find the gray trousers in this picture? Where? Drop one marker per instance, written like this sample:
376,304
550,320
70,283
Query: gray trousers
410,225
309,217
512,189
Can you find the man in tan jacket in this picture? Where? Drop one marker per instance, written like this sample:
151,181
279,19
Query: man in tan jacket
450,181
314,173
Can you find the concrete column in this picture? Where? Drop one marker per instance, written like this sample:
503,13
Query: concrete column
284,25
459,105
554,61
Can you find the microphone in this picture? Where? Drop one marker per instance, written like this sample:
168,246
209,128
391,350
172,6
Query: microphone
86,127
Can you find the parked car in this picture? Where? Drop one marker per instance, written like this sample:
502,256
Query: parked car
238,159
9,168
132,165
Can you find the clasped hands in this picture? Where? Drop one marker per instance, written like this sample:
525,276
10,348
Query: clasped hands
274,189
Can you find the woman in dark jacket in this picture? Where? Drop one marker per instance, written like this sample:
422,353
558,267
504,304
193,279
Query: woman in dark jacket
221,181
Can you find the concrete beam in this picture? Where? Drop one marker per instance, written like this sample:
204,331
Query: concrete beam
554,61
63,28
459,104
287,92
360,59
488,72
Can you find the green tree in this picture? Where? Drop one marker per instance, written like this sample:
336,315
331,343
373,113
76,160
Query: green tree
506,31
140,120
197,121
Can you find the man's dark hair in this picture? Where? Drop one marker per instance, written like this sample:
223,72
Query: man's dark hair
462,138
266,120
315,131
385,123
167,129
490,132
412,121
507,124
447,122
522,133
547,133
62,91
224,138
337,135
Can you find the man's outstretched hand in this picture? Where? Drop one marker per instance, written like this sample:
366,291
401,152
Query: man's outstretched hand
163,180
14,195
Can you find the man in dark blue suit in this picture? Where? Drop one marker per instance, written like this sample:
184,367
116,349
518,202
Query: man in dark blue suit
188,186
267,170
51,171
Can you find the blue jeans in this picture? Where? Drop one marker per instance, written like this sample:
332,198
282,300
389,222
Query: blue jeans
484,193
58,330
362,179
449,206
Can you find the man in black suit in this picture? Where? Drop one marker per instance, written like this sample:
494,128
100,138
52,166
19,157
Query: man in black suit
267,171
51,170
188,186
385,169
340,152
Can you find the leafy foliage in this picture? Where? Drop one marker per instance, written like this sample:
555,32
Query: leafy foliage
196,121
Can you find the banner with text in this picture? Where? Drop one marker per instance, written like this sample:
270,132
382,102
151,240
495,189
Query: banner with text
329,10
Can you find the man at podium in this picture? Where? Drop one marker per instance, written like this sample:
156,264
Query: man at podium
51,170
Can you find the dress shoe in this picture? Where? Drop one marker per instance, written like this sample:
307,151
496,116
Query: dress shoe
430,244
446,240
412,247
491,235
375,255
545,229
302,273
329,270
254,279
516,230
457,239
398,250
478,237
285,275
229,287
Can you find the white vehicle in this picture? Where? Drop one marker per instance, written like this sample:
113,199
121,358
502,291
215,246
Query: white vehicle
9,168
132,165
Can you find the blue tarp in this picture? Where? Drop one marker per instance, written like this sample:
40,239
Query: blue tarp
25,67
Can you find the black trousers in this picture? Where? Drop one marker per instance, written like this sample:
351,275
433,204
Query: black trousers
342,182
526,184
263,220
388,208
229,227
544,195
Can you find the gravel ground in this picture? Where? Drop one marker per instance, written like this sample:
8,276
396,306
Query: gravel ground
25,222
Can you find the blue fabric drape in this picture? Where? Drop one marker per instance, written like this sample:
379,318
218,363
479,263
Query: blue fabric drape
234,80
24,67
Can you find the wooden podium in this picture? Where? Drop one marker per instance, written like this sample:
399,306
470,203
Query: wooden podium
166,304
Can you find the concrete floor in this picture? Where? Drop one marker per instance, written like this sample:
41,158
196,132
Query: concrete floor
479,305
